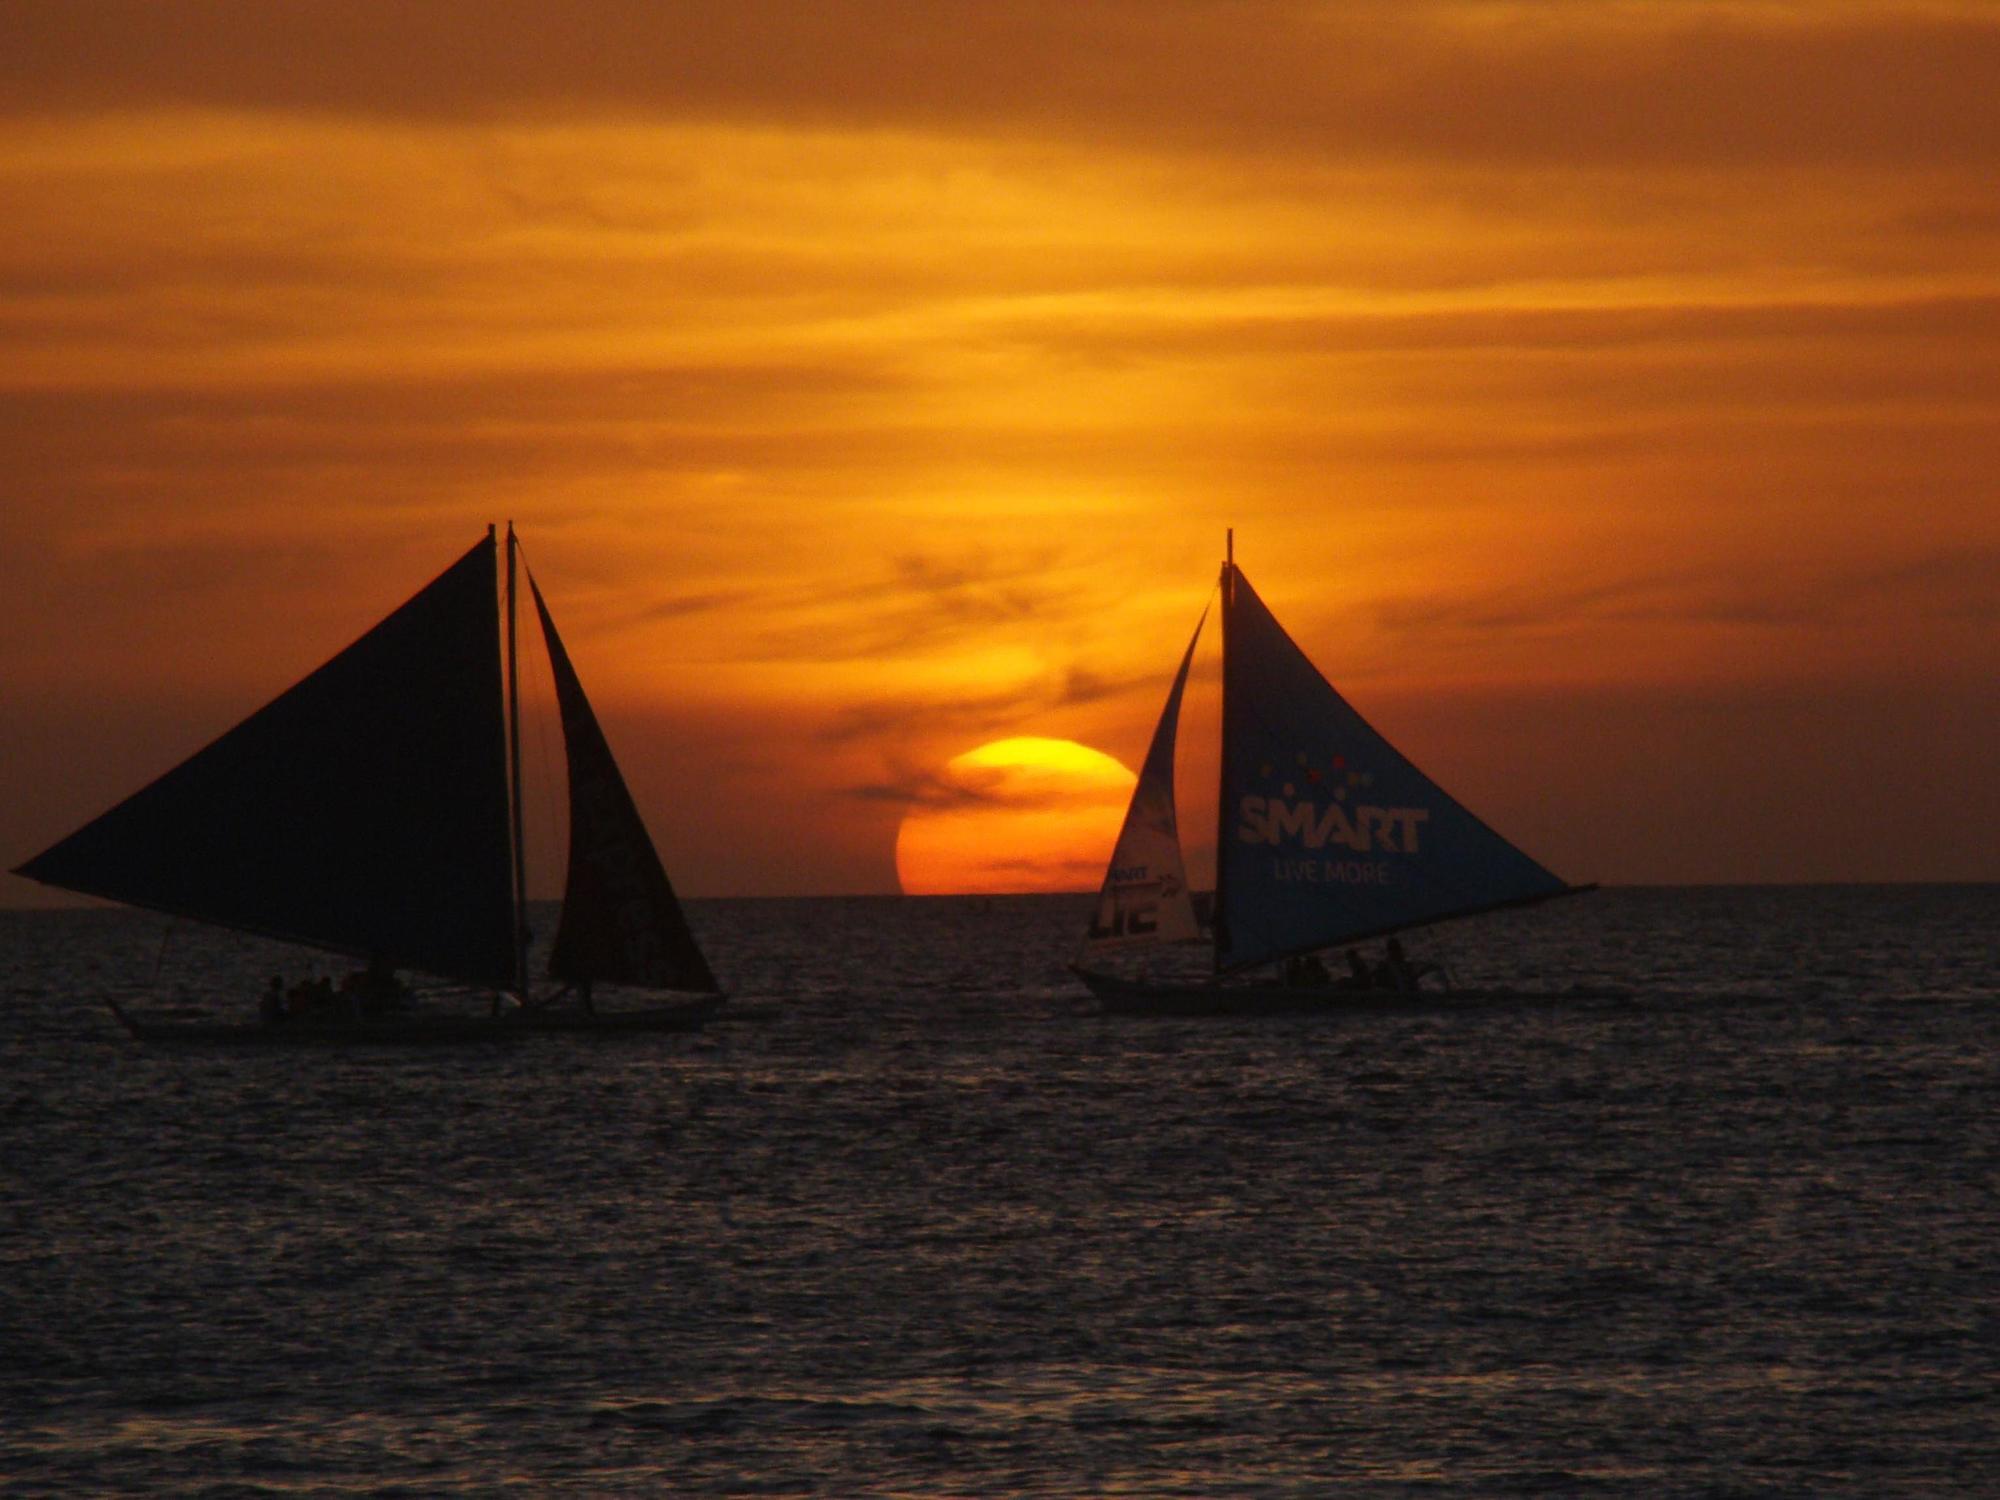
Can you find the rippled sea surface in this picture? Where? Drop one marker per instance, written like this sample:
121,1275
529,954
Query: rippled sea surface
923,1223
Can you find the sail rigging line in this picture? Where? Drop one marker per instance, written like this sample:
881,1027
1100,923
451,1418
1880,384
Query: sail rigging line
538,796
1218,912
1208,705
520,869
160,958
539,787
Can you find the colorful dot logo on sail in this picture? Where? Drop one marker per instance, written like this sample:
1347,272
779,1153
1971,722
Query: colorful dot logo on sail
1364,827
1294,813
1330,773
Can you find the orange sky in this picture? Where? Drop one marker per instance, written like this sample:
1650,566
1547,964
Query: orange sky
1604,394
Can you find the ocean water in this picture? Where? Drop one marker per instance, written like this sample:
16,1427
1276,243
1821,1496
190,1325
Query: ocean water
924,1223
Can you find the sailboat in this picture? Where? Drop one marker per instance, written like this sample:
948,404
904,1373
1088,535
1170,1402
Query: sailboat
1326,835
373,810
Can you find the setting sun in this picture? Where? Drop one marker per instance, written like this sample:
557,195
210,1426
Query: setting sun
1023,814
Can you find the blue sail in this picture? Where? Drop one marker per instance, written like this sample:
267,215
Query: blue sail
1328,833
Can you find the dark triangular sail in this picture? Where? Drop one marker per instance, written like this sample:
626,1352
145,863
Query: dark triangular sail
363,811
1329,833
620,922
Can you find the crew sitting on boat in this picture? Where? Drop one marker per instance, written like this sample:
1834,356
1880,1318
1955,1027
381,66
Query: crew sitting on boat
1306,972
1396,972
375,990
309,996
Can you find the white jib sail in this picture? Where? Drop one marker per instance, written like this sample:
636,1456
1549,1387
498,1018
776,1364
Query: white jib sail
1144,899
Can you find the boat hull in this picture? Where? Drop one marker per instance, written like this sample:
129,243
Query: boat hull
420,1030
382,1031
683,1016
1129,997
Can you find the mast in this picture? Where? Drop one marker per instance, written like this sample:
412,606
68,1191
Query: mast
1217,917
514,779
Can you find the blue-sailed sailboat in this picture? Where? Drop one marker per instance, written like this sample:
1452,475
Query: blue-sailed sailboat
1327,835
373,810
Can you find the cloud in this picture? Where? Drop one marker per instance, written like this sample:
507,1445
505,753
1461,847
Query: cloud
887,718
928,789
1971,321
1708,83
1957,585
1954,585
993,788
1039,874
678,606
629,455
926,603
1082,686
1012,787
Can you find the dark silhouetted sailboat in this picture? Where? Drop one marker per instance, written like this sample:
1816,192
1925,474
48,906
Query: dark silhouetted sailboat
374,810
1326,835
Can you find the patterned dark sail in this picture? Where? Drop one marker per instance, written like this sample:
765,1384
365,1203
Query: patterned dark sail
364,811
620,922
1329,834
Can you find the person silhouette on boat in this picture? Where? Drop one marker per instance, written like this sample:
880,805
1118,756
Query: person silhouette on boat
1358,977
1396,972
375,990
271,1009
1306,972
310,997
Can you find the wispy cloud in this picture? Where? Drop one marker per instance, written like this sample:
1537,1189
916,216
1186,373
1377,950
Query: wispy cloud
1011,790
1944,585
922,603
927,789
931,714
1703,83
